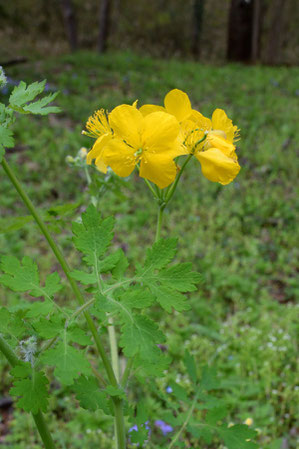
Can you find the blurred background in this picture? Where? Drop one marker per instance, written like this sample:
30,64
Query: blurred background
238,55
212,30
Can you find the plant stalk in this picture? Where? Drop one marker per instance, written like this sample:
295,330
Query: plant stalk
38,417
64,265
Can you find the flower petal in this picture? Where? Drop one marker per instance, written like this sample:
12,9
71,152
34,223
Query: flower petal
217,167
178,104
97,148
214,141
149,108
126,122
160,131
120,157
202,122
158,168
220,121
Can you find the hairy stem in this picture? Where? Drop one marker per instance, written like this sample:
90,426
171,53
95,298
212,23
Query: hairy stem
38,417
64,265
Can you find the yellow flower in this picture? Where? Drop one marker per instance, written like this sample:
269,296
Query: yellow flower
248,421
150,142
98,126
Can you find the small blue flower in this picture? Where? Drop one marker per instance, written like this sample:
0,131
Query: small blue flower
168,390
163,426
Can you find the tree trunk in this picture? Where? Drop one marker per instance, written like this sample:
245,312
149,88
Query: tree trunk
198,12
104,25
256,29
275,32
70,23
240,30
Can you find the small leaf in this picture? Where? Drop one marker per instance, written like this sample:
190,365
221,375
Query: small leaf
83,277
93,236
179,392
68,362
121,266
140,337
161,254
6,137
22,93
33,392
215,414
236,437
89,395
39,107
190,366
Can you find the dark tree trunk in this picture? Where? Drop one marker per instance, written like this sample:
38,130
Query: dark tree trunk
104,25
275,34
70,22
256,29
240,30
198,12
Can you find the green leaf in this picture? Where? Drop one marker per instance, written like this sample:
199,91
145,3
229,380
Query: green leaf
93,236
6,137
190,366
9,224
168,298
136,298
49,328
236,437
68,362
89,395
141,337
180,277
83,277
121,266
179,392
2,153
110,262
209,379
215,414
39,107
32,392
24,277
78,335
201,432
39,308
161,254
115,392
23,93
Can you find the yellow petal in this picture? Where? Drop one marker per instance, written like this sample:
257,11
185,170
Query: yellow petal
217,167
220,121
214,141
126,122
178,104
202,122
101,166
120,157
158,168
149,108
97,148
160,131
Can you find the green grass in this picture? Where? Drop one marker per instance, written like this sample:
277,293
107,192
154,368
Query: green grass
241,237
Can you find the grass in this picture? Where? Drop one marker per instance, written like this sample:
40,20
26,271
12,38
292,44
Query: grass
241,237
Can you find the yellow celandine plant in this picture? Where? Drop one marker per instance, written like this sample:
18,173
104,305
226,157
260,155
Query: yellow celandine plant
152,137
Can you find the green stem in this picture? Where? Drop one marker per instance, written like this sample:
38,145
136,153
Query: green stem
174,185
43,430
159,221
38,417
127,372
151,188
64,265
119,424
113,348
